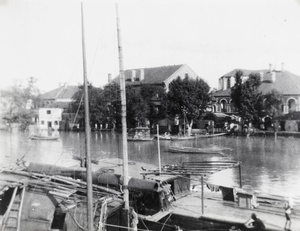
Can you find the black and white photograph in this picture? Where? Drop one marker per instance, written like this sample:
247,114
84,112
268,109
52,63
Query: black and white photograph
167,115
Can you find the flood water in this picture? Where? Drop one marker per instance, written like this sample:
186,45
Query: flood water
269,165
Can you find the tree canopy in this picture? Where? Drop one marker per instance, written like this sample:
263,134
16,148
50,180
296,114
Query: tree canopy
95,105
246,97
187,98
19,102
272,103
137,108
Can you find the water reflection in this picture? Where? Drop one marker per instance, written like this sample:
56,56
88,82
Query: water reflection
269,165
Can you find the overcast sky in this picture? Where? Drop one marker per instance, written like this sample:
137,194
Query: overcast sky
42,38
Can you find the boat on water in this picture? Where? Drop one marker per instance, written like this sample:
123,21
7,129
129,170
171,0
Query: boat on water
211,135
140,134
163,137
33,201
42,137
193,150
183,137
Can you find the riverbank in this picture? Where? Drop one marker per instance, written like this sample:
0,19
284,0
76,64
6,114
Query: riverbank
270,133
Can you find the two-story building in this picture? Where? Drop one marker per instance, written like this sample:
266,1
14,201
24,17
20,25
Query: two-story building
285,82
54,103
158,76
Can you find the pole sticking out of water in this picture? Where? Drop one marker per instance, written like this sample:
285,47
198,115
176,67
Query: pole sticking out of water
158,146
87,136
124,124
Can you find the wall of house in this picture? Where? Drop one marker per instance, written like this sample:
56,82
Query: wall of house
181,72
50,118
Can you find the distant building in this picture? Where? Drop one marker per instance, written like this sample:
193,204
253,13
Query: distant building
157,76
286,83
54,103
160,76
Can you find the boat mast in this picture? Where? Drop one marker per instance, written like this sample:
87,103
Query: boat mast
87,136
124,125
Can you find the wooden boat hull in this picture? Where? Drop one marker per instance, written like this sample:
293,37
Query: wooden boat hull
43,137
183,137
163,137
140,139
193,150
211,135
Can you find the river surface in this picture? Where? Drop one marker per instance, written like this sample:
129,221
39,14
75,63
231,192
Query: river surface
269,165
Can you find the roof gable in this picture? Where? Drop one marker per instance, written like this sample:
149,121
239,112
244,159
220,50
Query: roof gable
64,92
152,75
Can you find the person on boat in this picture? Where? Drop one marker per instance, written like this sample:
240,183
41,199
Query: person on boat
288,211
134,220
255,223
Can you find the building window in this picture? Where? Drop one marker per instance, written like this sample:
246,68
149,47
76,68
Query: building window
55,122
228,83
292,105
186,75
42,122
48,112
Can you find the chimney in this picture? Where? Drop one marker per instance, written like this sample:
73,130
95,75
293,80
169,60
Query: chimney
133,75
270,67
142,73
261,74
232,81
109,78
273,76
224,83
282,67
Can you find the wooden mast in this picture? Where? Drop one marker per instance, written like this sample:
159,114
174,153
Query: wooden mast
87,136
124,124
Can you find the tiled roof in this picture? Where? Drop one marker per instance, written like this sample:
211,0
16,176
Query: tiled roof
64,92
153,75
246,72
224,93
285,82
63,105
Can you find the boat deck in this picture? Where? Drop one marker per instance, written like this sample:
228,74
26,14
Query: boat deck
216,209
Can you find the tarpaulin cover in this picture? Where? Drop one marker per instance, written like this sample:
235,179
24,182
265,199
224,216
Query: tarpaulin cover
140,184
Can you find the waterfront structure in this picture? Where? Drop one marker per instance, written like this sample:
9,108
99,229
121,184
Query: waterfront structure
285,82
161,77
53,105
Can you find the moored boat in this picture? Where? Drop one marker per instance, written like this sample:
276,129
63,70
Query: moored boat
211,135
183,137
163,137
42,137
141,134
33,201
195,150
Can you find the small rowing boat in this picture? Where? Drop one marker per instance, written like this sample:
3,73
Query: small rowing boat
183,137
41,137
211,135
193,150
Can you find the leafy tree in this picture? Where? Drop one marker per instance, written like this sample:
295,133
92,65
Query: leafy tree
156,98
20,102
137,108
95,105
111,97
273,103
187,98
246,97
